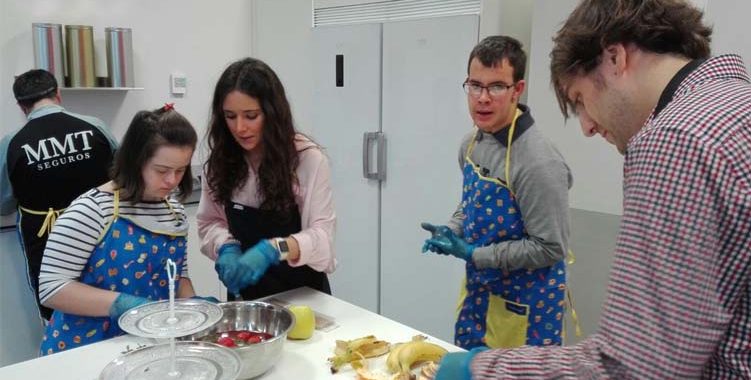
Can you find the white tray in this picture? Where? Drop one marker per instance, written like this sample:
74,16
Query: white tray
151,320
193,361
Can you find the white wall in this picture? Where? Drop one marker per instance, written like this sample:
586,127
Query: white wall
596,166
282,37
730,21
508,17
512,18
197,38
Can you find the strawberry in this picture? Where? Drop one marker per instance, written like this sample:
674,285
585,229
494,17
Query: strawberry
226,341
244,335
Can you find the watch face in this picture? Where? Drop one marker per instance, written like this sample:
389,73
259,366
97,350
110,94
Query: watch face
283,247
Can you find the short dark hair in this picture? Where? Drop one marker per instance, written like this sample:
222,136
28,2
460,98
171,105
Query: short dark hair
148,131
659,26
493,49
33,86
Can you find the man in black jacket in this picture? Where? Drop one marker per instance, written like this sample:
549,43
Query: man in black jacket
47,163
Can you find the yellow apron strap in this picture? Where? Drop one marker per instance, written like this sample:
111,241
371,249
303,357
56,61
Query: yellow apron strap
571,259
50,217
471,147
508,149
116,204
574,317
462,296
115,214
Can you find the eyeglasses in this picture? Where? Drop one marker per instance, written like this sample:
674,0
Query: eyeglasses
494,90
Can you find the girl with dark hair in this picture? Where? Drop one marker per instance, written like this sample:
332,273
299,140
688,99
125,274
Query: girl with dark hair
108,251
266,214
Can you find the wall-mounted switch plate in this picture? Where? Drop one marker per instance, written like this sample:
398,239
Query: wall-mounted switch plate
178,84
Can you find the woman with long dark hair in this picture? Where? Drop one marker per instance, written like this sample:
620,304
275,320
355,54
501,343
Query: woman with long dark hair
266,214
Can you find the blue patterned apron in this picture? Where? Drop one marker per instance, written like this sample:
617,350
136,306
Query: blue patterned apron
501,309
128,259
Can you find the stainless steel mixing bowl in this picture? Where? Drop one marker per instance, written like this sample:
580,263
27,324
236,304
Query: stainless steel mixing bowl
253,316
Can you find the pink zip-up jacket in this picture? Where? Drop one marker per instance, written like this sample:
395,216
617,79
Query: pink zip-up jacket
313,197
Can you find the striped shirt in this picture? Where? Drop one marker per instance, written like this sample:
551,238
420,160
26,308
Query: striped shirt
79,229
678,302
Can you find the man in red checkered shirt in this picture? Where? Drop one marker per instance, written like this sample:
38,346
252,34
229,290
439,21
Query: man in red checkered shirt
639,73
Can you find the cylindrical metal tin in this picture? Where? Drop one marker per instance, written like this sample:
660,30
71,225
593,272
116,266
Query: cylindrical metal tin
79,42
119,43
48,49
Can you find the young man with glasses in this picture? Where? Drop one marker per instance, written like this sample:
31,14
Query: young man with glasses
512,224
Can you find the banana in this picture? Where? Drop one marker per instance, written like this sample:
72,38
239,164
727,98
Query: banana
403,356
392,361
415,352
354,351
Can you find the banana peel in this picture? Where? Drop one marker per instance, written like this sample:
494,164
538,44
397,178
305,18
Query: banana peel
355,351
428,371
363,374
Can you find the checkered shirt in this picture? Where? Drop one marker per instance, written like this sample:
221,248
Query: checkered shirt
678,302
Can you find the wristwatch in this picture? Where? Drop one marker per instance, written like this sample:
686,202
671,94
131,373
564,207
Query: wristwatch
282,247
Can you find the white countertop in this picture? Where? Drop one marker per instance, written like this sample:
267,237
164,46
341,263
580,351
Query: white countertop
300,359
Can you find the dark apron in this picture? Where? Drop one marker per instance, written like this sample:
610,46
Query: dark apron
249,225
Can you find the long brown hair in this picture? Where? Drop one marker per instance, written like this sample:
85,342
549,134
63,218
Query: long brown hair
226,167
659,26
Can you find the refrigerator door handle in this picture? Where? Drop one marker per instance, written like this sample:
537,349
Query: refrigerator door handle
367,140
381,139
367,137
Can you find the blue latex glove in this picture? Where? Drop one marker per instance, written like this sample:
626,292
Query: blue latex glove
435,231
455,365
123,303
227,266
256,261
445,241
206,298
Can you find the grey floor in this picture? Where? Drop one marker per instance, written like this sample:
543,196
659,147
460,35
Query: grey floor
593,237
